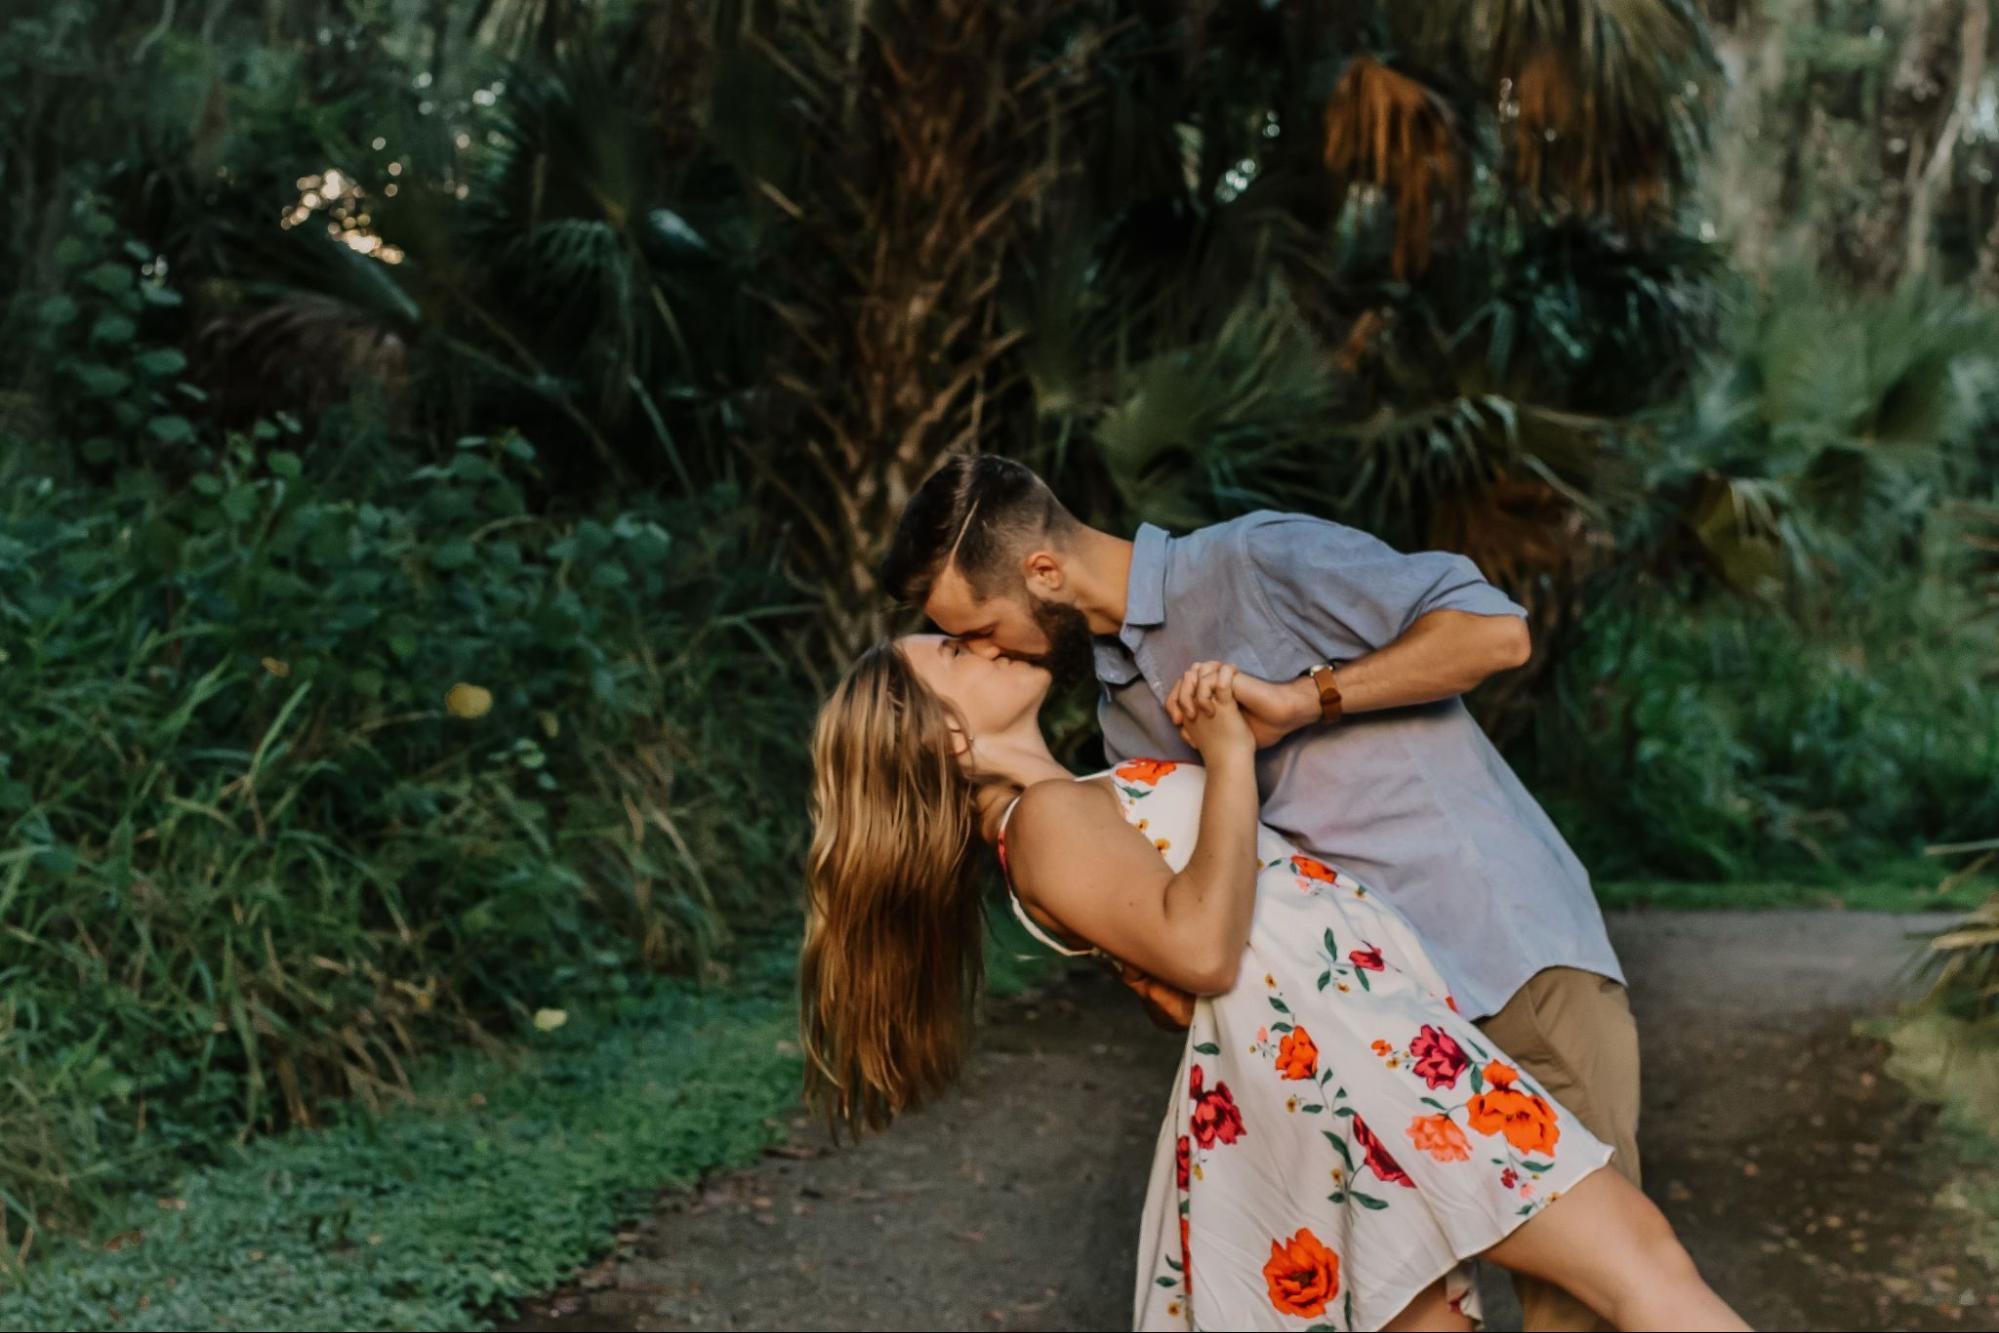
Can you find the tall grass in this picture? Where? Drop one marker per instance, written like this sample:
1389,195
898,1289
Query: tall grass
297,782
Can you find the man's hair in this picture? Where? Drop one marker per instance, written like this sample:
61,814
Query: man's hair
979,512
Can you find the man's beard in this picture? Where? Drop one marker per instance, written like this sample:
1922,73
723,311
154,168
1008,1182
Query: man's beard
1071,655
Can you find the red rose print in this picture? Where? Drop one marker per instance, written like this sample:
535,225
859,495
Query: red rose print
1369,958
1385,1168
1180,1157
1216,1117
1439,1058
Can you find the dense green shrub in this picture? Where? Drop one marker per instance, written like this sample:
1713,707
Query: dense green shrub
295,783
1729,740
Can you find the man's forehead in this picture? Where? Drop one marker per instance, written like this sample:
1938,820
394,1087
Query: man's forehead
952,604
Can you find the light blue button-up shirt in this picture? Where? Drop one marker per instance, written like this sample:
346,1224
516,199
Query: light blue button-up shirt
1414,802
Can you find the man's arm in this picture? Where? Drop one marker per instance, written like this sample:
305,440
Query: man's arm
1405,628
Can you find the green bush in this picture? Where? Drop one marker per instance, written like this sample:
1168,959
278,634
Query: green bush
1731,741
297,783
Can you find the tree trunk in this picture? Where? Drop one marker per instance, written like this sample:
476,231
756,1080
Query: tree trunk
1935,179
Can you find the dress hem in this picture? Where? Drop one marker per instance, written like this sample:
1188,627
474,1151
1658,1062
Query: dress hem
1473,1257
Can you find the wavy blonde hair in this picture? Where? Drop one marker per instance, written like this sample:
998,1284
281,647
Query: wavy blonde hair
894,934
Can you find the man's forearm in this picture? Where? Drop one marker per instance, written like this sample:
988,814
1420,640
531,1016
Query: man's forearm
1442,655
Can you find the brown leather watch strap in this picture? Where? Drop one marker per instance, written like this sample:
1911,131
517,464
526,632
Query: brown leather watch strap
1329,692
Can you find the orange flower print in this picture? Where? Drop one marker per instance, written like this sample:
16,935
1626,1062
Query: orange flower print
1297,1057
1303,1275
1380,1047
1527,1121
1147,771
1310,869
1438,1136
1186,1259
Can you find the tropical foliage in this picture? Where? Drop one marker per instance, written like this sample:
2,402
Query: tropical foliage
448,446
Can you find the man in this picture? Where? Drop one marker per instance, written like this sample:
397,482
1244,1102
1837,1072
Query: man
1370,760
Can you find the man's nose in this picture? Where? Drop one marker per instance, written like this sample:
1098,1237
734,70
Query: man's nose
985,648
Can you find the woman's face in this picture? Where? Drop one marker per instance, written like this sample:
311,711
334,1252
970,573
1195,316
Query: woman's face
992,694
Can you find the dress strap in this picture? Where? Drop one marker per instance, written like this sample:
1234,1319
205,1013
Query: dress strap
1014,899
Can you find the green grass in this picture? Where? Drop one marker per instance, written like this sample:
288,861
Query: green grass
505,1172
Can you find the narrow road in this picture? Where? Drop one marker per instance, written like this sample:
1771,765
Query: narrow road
1790,1165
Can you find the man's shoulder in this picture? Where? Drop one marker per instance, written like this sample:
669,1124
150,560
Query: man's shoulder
1274,536
1245,530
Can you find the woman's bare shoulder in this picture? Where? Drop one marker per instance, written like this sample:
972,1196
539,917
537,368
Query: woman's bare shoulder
1059,822
1054,804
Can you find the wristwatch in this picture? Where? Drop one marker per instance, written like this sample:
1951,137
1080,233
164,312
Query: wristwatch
1329,690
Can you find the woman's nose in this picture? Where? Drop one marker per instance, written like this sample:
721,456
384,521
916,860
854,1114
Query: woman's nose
985,648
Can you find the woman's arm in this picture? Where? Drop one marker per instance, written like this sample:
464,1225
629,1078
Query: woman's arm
1078,861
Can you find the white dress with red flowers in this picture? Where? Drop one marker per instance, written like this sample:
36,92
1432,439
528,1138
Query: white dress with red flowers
1339,1137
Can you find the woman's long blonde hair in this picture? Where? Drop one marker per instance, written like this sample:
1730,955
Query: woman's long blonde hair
894,941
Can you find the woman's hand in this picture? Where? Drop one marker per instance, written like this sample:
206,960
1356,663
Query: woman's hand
1166,1005
1210,719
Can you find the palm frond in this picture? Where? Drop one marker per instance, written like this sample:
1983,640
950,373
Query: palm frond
1387,131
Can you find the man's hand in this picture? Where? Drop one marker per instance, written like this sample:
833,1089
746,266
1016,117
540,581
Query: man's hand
1168,1006
1273,710
1441,655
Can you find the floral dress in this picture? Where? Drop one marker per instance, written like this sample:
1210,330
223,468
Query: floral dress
1338,1136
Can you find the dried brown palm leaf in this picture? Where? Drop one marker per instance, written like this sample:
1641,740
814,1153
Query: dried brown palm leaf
1602,97
1386,130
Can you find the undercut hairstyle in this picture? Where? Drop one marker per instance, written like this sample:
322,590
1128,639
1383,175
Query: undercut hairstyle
980,513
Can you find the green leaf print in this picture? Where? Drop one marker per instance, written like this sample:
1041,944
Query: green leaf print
1367,1200
1538,1167
1337,1196
1166,1281
1324,977
1432,1101
1361,972
1313,1109
1477,1080
1134,792
1280,1027
1331,947
1208,1048
1340,1144
1279,1005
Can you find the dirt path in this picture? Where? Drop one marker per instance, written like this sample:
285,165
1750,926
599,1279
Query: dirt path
1791,1167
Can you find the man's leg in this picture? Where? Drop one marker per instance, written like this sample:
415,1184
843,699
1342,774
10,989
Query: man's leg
1572,1032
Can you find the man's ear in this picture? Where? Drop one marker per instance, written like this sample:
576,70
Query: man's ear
1042,571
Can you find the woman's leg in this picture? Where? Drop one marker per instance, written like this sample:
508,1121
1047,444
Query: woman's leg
1614,1250
1430,1312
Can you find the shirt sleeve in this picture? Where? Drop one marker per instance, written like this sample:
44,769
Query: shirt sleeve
1346,593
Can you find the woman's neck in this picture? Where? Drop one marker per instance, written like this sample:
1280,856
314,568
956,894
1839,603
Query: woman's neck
1015,765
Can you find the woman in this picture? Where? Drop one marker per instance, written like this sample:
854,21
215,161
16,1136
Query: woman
1339,1144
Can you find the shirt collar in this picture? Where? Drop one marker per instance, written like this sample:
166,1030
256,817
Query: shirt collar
1145,591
